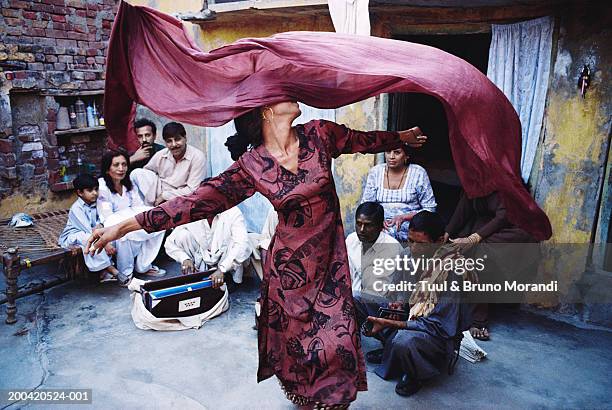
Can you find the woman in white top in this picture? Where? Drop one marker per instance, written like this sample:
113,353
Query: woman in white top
119,200
403,189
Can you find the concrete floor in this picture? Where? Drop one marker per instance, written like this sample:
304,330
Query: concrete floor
80,335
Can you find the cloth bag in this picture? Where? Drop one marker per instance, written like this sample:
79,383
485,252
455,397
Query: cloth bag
143,319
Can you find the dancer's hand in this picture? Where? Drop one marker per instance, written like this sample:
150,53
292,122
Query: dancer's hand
187,267
102,236
413,137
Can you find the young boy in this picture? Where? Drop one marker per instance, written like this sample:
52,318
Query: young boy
82,220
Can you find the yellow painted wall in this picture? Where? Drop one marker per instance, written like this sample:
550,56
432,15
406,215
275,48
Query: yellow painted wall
572,161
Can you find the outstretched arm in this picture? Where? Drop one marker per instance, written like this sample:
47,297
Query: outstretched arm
343,140
214,196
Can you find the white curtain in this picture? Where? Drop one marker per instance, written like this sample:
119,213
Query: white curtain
519,64
255,209
350,16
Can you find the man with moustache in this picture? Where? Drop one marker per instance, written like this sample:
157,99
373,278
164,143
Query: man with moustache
146,131
174,171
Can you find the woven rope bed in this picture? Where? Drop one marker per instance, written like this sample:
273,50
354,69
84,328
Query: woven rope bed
37,241
22,248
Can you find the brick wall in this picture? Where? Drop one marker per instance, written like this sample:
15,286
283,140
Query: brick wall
47,48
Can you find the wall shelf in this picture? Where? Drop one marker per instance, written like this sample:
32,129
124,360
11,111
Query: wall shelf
74,131
62,186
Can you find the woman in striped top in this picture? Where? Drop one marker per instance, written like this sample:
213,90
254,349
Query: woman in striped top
403,189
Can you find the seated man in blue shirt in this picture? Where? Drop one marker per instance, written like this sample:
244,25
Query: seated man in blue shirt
424,345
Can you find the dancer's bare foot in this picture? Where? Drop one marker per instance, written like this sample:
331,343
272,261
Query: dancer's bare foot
480,333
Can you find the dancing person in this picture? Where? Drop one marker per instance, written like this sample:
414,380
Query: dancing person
118,201
176,170
223,244
308,336
424,345
483,220
146,132
402,188
82,220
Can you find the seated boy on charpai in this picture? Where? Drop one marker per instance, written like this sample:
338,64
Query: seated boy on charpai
82,220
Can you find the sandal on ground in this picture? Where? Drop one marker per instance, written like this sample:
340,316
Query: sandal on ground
375,356
480,333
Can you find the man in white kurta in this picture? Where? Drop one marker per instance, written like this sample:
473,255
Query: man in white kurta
363,277
224,244
366,248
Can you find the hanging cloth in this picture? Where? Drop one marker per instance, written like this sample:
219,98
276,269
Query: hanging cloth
519,64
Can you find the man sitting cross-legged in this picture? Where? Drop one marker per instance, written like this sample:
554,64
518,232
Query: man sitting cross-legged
199,246
424,345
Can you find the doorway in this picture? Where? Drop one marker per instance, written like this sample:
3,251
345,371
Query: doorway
409,109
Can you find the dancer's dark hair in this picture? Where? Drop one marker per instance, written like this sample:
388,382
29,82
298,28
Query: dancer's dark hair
248,133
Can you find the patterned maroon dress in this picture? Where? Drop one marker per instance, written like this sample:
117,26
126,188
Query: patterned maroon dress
308,335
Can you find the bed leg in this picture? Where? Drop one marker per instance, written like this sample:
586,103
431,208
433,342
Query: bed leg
12,267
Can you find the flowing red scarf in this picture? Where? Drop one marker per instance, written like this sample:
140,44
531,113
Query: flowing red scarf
152,61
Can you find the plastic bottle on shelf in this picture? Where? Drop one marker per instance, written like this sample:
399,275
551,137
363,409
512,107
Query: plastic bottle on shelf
95,115
73,117
90,117
81,115
79,164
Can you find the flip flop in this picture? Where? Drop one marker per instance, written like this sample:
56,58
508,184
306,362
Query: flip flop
483,338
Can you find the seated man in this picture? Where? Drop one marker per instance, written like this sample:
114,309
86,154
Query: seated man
198,246
367,244
424,345
146,131
174,171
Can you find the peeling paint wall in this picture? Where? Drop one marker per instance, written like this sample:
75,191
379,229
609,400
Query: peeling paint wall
572,156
